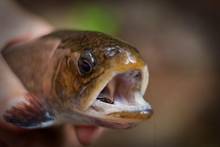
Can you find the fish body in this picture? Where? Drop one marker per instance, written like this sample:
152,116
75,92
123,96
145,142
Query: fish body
78,77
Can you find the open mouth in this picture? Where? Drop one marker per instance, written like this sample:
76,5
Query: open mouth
122,98
121,88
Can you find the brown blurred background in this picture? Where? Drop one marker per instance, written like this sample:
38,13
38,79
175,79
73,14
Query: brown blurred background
179,42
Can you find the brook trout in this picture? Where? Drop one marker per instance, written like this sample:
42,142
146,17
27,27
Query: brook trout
77,77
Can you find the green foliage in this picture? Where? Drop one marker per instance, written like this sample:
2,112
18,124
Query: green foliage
95,18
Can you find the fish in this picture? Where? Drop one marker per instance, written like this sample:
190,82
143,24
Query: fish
73,77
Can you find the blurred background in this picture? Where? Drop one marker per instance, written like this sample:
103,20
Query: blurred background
179,40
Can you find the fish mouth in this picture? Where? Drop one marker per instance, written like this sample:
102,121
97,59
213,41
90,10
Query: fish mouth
121,103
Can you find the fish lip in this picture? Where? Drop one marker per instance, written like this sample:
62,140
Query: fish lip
119,123
134,115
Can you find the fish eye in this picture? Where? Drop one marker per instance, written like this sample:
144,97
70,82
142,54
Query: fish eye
84,66
86,63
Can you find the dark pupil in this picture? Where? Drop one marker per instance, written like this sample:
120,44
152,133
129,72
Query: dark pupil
84,66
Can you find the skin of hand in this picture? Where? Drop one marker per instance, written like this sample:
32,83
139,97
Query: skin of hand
21,28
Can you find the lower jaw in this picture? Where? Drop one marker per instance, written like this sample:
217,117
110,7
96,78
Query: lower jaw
117,120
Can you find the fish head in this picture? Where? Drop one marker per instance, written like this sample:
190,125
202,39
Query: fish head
102,80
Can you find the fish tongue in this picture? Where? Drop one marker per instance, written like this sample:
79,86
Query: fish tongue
87,134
